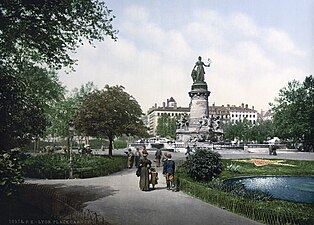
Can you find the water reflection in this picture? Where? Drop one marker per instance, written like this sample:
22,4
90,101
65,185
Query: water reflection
290,188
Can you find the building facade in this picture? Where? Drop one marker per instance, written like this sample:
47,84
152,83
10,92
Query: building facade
234,114
228,113
169,108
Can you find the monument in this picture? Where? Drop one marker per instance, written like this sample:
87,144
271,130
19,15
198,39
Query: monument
198,127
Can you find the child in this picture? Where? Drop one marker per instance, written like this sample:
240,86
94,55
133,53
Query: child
153,177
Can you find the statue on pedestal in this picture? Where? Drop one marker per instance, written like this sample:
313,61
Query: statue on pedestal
199,71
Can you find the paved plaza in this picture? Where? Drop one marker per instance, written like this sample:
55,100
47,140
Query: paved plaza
121,202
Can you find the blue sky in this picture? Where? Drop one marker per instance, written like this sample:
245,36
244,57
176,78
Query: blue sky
256,47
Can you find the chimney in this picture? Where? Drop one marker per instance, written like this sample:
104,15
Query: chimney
246,106
242,105
253,107
163,104
213,104
155,105
228,105
167,102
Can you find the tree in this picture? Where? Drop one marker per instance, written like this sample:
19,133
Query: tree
46,32
64,110
293,113
21,115
246,132
166,126
109,113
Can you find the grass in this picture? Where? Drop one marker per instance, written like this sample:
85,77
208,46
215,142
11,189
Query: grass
268,212
291,168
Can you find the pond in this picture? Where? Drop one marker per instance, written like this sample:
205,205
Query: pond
289,188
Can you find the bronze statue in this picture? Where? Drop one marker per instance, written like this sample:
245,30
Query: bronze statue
199,71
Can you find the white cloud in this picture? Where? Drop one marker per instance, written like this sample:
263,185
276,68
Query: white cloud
250,63
281,42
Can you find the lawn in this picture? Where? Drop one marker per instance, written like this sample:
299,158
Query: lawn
265,211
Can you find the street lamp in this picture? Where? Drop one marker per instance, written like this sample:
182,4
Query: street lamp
71,133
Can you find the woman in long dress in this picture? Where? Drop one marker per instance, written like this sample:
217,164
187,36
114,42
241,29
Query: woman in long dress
145,165
200,71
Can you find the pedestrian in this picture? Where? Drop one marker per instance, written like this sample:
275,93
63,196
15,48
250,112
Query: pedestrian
153,177
158,155
137,157
188,151
145,165
168,171
130,158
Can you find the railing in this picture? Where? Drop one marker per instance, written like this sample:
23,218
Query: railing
243,206
60,207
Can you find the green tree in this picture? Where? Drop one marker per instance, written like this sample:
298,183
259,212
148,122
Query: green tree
21,115
293,113
166,126
110,113
247,132
49,31
64,110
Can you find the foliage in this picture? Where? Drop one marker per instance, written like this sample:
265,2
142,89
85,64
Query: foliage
110,113
166,126
293,113
247,132
48,31
118,144
56,165
204,165
64,111
10,171
21,115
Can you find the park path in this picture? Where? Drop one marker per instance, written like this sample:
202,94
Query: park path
121,202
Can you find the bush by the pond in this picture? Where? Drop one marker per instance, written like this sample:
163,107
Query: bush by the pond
204,165
56,166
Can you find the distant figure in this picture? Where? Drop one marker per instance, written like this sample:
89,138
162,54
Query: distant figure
188,150
158,155
198,75
130,158
137,157
86,149
145,165
168,171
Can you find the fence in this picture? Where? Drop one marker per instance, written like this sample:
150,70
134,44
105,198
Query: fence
243,207
63,209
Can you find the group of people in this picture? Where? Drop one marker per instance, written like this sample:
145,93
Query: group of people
147,173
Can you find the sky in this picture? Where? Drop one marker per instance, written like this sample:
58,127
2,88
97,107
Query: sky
255,48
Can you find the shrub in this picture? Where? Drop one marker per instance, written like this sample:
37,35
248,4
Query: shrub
204,165
10,171
56,166
118,144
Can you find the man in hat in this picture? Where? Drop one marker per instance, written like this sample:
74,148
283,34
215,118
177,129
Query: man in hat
168,171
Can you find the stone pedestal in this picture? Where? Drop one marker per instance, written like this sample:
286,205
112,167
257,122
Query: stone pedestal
198,109
198,105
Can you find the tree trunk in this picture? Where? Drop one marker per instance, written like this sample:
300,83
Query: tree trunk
110,146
